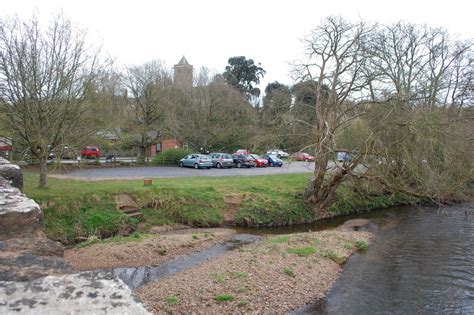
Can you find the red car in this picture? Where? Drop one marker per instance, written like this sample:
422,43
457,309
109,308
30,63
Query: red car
241,151
259,161
302,156
91,152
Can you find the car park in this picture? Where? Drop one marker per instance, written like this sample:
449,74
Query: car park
221,160
274,160
303,156
91,151
259,161
279,153
196,160
243,160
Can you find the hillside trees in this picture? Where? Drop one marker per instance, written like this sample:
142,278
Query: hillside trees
214,117
44,73
274,116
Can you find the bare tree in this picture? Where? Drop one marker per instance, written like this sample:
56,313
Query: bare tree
419,74
336,58
43,77
147,85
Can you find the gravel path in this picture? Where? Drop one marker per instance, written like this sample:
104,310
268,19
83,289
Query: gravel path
172,171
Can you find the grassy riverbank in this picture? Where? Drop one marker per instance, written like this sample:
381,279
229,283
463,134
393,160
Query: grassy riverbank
75,210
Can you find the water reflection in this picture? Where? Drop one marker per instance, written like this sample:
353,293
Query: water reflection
422,262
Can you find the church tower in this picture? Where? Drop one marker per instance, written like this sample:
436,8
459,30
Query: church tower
183,74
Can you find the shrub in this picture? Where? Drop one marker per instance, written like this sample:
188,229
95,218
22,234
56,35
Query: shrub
170,156
361,245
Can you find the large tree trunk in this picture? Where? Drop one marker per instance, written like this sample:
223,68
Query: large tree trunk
43,172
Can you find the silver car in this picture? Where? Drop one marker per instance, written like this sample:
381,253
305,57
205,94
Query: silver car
221,160
279,153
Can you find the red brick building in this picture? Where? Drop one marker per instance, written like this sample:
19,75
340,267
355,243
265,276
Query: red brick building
163,146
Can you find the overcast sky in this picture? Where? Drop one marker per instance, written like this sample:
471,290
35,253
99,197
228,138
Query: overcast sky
209,32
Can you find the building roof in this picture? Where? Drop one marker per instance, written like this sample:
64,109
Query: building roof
183,62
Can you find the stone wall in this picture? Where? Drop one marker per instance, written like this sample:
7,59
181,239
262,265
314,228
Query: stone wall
19,215
34,278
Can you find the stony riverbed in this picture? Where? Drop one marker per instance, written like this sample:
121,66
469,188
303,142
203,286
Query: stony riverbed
276,275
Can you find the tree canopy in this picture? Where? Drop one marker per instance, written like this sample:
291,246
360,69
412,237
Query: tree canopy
243,73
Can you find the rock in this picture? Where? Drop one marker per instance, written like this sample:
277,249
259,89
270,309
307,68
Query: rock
82,293
30,257
12,173
356,225
19,215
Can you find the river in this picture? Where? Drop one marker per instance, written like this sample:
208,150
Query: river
420,262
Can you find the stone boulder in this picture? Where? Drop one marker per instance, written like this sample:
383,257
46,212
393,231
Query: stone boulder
12,173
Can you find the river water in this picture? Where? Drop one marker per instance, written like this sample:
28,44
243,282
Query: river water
420,262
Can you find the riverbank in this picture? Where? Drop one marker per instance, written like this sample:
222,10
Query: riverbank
277,275
75,211
143,249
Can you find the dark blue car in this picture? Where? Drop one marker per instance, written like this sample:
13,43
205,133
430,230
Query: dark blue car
273,160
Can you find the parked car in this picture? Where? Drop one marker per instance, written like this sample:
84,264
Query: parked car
91,152
343,156
243,160
274,160
197,161
64,152
259,161
279,153
221,160
303,156
242,151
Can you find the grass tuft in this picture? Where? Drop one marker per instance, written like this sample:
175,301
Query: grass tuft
171,300
239,274
242,303
302,251
279,239
289,272
224,298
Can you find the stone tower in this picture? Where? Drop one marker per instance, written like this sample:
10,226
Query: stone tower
183,74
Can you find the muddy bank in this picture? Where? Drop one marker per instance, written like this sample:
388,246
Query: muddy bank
276,275
148,250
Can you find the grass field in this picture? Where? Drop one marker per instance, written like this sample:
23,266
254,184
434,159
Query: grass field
75,210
